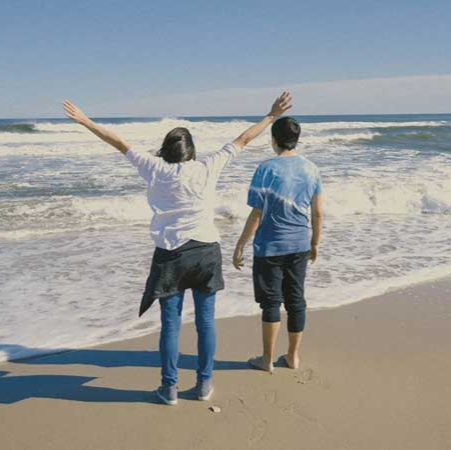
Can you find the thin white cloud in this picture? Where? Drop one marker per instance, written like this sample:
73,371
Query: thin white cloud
396,95
415,94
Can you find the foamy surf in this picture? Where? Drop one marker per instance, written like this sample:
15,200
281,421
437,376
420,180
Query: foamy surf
74,223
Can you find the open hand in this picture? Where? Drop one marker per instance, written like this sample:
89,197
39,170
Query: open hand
281,105
75,113
238,258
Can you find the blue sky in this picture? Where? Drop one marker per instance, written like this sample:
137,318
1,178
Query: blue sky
143,57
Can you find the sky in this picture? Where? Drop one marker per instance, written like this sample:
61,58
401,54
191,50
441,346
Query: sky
207,57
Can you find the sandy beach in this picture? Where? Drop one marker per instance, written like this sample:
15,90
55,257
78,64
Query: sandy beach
374,375
306,145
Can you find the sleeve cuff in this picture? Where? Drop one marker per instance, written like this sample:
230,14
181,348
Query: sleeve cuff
130,155
232,148
254,201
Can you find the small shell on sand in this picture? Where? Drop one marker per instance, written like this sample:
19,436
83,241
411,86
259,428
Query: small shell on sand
215,409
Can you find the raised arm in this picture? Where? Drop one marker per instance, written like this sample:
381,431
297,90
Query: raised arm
279,107
317,224
80,117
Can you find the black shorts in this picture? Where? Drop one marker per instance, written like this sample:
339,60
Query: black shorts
280,279
194,265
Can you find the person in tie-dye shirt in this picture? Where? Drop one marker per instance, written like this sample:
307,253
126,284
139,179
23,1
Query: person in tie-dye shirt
284,192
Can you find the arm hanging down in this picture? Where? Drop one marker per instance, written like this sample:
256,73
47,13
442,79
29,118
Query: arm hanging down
317,224
252,224
109,137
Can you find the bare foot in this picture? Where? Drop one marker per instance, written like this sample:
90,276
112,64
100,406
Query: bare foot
291,362
258,363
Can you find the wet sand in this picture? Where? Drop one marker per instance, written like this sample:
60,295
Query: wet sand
374,375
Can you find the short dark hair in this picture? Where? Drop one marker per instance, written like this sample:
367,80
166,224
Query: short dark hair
178,146
286,133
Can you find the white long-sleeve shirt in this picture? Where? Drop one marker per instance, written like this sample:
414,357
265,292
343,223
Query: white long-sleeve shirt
182,196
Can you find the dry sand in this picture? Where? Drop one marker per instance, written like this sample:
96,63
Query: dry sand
375,375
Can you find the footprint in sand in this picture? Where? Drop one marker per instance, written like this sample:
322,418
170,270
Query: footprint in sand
258,431
295,409
307,374
257,426
271,397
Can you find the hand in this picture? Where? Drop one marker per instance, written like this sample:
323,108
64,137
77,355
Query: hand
75,113
238,257
314,253
281,105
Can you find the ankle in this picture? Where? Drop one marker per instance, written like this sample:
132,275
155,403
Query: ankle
293,360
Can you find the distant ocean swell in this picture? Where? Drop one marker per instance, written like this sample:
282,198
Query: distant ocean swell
18,128
398,133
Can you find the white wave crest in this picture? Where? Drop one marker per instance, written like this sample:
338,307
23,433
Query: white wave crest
375,197
328,126
71,138
321,140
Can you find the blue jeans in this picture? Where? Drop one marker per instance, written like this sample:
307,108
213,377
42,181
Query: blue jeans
171,321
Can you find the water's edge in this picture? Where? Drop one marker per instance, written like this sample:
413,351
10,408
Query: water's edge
52,352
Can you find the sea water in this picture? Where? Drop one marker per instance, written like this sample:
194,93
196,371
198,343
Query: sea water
75,248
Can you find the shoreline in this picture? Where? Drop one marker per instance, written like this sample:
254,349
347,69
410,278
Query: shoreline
374,375
387,291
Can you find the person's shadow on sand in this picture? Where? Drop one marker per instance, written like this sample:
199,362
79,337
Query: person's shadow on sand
67,387
117,358
14,389
71,387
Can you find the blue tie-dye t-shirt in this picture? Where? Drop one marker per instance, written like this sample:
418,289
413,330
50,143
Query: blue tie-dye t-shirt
283,188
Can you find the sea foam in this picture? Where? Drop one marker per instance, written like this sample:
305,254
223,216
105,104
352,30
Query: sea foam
74,223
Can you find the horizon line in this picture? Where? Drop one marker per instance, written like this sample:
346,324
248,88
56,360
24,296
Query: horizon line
233,116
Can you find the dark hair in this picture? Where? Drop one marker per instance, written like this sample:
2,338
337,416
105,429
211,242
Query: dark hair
178,146
286,133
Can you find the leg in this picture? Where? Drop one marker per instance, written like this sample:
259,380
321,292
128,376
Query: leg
267,275
294,343
295,304
204,304
270,331
171,320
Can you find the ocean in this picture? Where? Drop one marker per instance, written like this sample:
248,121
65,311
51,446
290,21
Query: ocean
75,248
